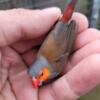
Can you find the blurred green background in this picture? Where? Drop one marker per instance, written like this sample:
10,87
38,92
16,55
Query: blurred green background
91,8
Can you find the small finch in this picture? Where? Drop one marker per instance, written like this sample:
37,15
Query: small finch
55,49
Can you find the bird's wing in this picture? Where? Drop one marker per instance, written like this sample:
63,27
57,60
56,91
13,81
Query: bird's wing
66,37
58,43
66,42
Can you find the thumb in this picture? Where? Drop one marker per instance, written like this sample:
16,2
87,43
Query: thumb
21,24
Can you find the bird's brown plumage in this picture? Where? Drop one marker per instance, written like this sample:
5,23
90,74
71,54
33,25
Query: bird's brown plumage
56,48
58,45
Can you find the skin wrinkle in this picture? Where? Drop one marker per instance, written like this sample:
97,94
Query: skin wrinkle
52,92
71,95
5,66
11,86
73,92
17,29
68,67
29,56
16,63
13,77
3,35
21,46
23,33
7,92
3,81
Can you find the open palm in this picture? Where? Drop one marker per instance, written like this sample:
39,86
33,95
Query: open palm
20,32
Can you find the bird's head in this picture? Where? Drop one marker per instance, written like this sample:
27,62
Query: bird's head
39,71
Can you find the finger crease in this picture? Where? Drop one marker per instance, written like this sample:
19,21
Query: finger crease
5,39
53,93
72,93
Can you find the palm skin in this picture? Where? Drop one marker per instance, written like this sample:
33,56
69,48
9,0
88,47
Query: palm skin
20,33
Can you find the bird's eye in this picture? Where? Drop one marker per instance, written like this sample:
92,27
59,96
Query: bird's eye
41,74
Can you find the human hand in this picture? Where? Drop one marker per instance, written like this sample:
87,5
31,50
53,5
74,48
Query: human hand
22,30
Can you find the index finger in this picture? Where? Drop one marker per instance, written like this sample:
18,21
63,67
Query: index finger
19,24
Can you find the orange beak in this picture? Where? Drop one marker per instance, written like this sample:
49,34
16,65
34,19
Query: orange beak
35,82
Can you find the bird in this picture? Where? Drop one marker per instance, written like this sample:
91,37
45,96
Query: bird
55,50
